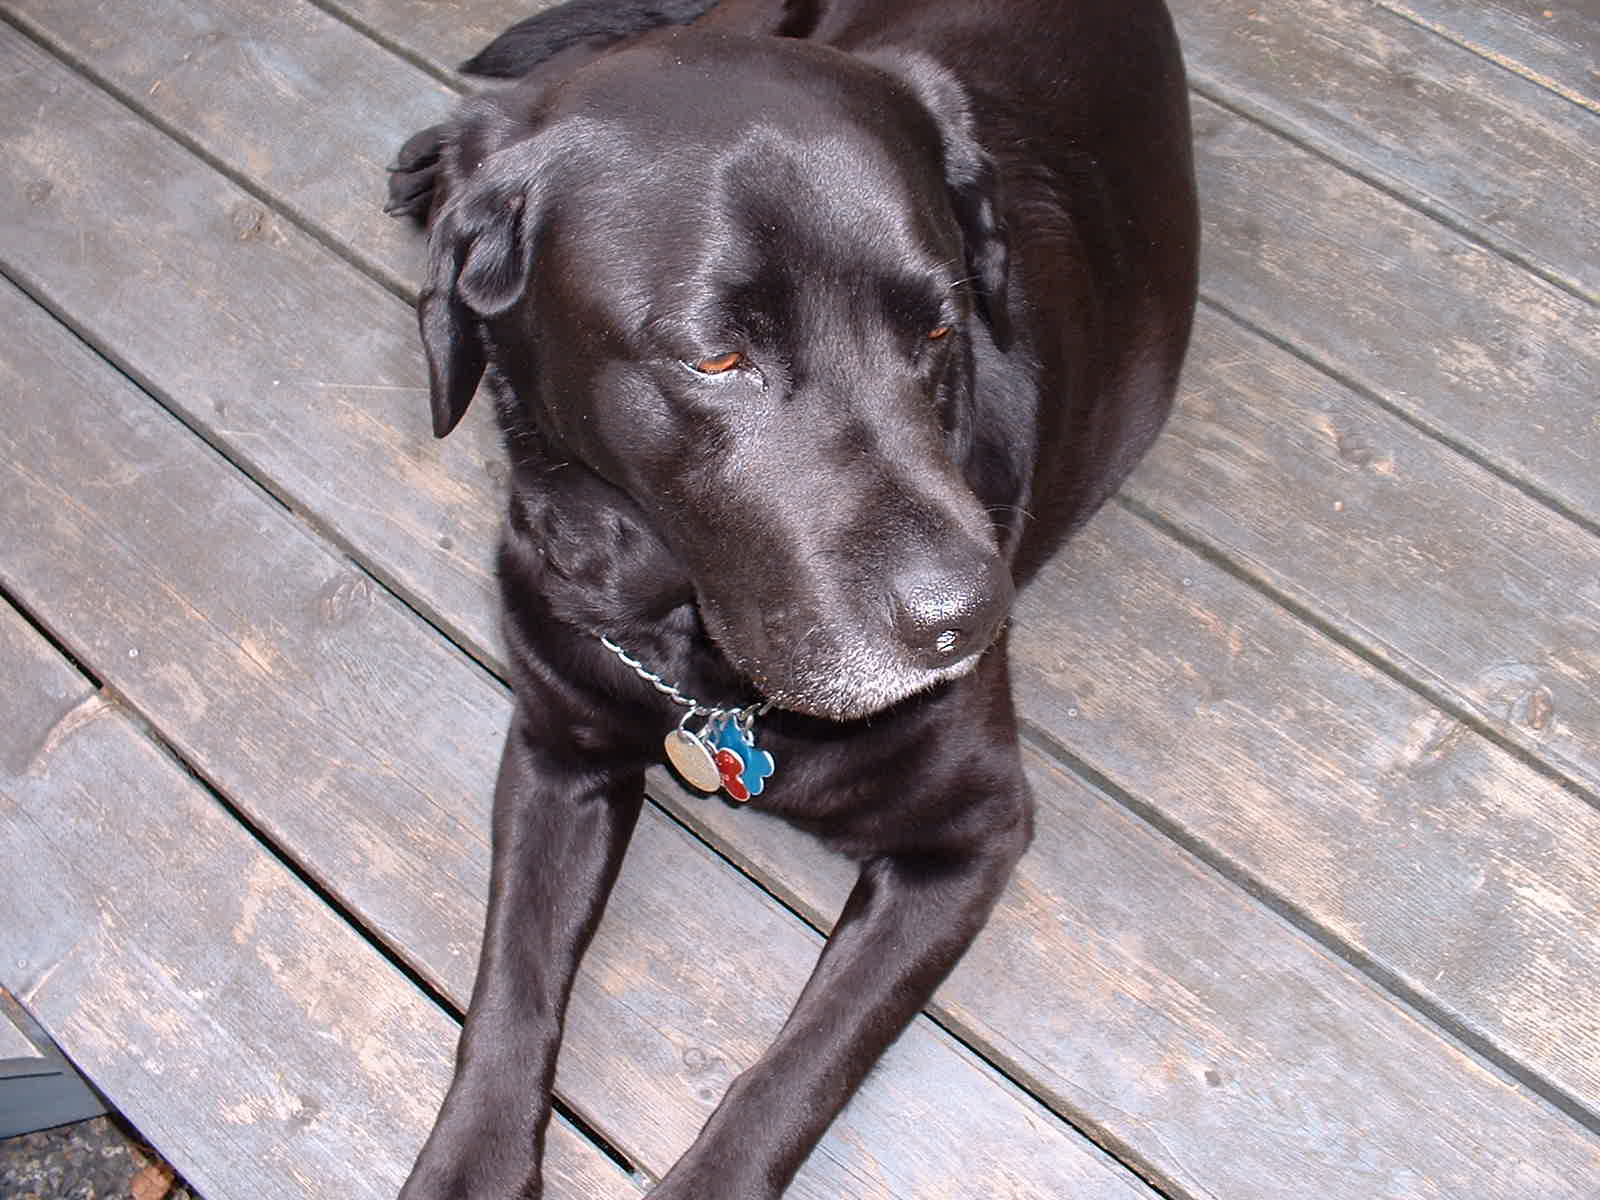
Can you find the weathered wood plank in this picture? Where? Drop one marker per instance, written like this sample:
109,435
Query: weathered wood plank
414,866
439,35
1556,43
115,221
1424,117
1470,877
1469,679
366,747
1445,571
1462,341
1548,364
208,993
1187,1024
211,71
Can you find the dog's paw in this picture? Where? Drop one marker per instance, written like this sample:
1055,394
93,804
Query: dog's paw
414,173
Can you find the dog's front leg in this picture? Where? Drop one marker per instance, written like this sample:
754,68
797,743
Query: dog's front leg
560,830
907,922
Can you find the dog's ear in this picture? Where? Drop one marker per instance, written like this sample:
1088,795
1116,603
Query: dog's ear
988,254
969,173
481,245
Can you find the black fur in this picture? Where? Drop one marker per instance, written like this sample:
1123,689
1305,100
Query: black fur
591,23
953,244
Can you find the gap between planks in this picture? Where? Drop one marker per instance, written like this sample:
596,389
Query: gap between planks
1488,53
1237,874
1372,655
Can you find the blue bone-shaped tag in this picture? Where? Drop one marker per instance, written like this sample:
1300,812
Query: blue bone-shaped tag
744,767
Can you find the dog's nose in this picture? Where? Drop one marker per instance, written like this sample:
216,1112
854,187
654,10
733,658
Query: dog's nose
944,615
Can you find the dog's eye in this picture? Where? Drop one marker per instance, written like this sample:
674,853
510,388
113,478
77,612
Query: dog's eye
719,365
938,332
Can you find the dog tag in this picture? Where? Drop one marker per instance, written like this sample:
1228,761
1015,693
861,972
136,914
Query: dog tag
730,766
744,768
692,759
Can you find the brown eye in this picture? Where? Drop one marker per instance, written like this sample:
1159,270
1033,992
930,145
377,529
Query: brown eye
935,334
719,364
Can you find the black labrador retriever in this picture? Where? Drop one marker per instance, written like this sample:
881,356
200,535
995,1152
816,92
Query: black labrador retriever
813,327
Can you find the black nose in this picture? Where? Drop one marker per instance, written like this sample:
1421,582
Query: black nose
942,614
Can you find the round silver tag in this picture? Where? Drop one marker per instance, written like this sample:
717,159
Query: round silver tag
691,758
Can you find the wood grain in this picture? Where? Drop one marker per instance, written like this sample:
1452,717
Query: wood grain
1510,679
1363,84
1441,329
1555,43
1454,577
1508,364
365,748
1444,859
1186,1025
438,35
115,221
207,992
1269,251
1390,100
1417,843
284,95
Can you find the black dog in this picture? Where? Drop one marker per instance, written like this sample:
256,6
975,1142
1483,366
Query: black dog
813,327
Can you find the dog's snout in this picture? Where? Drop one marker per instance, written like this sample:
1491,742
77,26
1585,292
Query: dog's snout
944,614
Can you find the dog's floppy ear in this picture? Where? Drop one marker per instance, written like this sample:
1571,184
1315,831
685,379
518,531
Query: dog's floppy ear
970,174
481,245
988,254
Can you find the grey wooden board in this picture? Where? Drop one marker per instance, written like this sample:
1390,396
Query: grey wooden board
1190,1027
1556,43
1292,244
118,233
380,555
1420,845
1517,631
225,1011
693,1063
438,35
366,749
283,94
1390,99
1550,368
1460,340
1455,577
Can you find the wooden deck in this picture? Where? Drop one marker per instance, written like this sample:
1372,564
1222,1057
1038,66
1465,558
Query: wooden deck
1312,711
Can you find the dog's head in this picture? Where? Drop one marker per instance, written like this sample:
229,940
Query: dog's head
741,280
